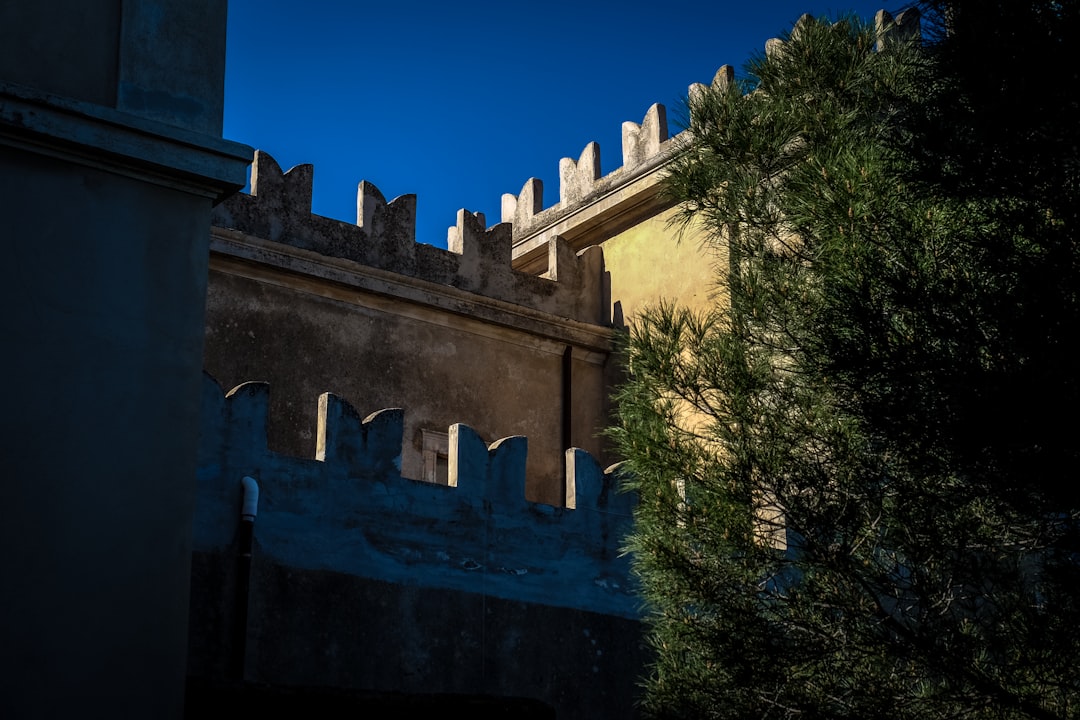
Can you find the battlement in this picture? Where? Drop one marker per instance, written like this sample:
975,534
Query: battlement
349,510
477,259
628,191
529,235
592,207
644,147
905,26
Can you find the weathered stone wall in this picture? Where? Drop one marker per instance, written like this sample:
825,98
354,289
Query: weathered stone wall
478,259
308,304
110,161
648,258
362,579
592,208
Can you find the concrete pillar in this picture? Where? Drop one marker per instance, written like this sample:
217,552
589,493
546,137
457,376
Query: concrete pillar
111,158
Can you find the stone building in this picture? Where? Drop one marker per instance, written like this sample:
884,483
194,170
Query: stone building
131,273
274,547
475,497
510,329
111,158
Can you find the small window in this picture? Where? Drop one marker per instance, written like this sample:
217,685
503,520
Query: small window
436,456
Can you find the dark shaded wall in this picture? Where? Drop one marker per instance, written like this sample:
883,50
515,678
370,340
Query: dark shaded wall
346,576
110,161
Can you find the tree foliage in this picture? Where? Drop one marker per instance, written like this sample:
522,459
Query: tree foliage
857,477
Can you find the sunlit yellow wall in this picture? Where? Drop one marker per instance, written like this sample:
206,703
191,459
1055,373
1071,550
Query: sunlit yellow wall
655,261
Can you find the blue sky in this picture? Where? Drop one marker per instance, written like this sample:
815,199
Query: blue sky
459,103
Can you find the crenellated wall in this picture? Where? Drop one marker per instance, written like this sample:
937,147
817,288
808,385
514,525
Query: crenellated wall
592,208
647,258
478,259
308,303
360,578
627,208
502,580
349,509
370,570
644,147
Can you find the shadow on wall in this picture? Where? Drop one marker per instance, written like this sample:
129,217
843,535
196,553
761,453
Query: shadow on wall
264,701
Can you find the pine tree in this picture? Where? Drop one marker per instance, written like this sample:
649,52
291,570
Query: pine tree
857,476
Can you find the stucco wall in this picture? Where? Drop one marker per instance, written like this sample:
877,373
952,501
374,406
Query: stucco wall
105,206
655,261
357,578
320,629
100,432
440,367
76,59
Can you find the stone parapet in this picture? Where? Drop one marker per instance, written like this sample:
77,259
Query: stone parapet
478,259
593,208
349,510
